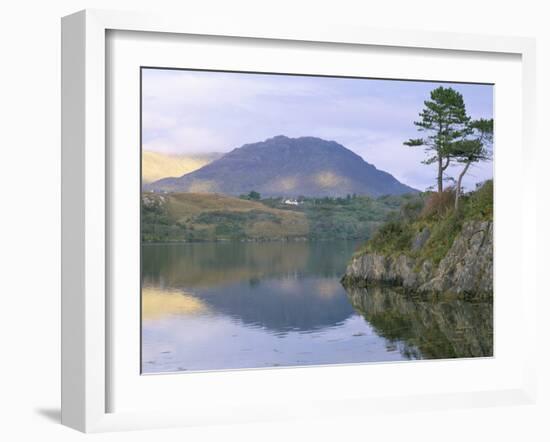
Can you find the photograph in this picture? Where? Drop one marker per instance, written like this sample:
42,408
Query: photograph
292,220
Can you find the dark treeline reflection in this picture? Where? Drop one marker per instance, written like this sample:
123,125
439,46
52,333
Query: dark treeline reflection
209,264
429,327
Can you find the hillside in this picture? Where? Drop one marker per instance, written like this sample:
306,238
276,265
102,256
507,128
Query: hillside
432,247
209,217
156,166
213,217
290,167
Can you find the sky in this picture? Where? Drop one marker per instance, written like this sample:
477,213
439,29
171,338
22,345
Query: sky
187,112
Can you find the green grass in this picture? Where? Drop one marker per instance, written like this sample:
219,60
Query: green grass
392,237
442,235
479,205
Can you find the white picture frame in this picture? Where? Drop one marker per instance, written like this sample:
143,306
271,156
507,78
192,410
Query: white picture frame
86,207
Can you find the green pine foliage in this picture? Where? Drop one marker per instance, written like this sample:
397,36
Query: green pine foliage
443,122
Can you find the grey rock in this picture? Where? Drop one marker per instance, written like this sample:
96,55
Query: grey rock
420,239
466,269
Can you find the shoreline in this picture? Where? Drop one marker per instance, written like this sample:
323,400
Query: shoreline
409,292
230,241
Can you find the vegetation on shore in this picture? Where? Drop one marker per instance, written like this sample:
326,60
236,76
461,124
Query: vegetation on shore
435,213
195,217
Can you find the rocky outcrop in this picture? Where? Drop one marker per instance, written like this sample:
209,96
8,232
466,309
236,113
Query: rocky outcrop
466,269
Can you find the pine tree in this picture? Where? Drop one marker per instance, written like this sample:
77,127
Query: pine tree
475,147
444,120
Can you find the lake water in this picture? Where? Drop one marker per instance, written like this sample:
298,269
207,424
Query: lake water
212,306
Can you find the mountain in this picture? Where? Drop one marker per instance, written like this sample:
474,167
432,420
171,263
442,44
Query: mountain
289,167
157,165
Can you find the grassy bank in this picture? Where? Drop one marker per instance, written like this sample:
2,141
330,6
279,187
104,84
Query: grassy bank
433,213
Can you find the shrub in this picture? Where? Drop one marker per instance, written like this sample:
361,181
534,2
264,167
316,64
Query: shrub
479,204
438,205
443,234
411,209
393,236
437,214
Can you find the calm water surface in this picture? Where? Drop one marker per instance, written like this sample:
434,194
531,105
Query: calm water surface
210,306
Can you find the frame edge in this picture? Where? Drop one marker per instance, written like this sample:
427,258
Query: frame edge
73,80
84,386
83,324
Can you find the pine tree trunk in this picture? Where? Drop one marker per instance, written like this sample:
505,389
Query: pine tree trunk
439,174
459,183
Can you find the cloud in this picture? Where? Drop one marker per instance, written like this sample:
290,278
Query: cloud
186,139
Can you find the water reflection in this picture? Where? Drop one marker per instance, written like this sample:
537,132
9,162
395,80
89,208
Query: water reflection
430,327
281,304
215,264
157,303
242,305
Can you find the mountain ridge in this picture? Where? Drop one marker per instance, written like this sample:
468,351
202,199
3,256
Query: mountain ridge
288,167
157,165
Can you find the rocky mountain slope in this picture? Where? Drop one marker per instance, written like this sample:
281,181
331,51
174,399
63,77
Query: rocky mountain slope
289,167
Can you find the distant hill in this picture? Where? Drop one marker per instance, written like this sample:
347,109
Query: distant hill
291,167
195,217
208,217
156,166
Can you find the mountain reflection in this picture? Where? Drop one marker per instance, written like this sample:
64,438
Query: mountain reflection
278,286
430,328
300,304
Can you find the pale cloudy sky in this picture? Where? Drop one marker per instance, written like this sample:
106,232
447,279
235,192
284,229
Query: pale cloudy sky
194,111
